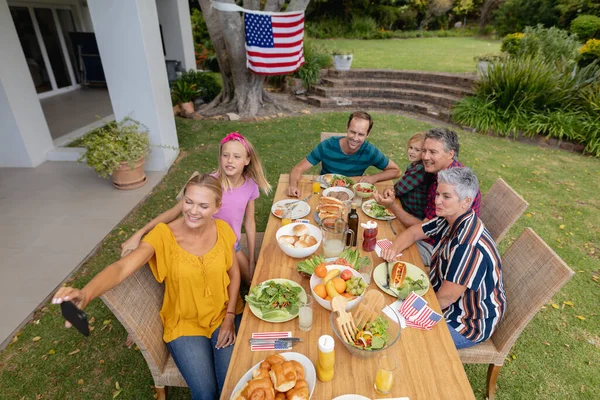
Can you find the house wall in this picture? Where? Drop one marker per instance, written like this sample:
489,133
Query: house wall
174,19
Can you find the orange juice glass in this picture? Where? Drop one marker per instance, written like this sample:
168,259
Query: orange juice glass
384,379
287,218
316,187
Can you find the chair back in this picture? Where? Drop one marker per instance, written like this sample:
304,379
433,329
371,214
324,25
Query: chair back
501,207
136,303
327,135
532,273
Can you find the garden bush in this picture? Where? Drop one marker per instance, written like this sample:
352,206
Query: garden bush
586,27
512,42
315,59
550,44
363,27
206,84
514,15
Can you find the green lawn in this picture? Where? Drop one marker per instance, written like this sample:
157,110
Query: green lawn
426,54
557,356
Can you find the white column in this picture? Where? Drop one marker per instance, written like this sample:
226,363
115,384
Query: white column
23,129
130,48
174,18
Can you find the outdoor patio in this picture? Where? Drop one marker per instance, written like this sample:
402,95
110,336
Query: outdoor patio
51,218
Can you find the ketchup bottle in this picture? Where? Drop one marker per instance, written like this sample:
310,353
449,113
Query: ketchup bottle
369,235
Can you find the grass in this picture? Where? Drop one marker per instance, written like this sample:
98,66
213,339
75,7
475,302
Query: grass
557,356
434,54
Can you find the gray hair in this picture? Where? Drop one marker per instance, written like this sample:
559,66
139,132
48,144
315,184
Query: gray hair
463,179
448,137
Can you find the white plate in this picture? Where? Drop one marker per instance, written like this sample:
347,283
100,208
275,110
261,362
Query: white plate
299,209
367,210
325,180
351,397
301,298
310,375
412,271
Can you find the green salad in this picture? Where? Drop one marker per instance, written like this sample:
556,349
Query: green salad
379,211
341,180
275,300
373,336
409,285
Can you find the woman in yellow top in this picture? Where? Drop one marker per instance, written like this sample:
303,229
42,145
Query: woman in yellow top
194,256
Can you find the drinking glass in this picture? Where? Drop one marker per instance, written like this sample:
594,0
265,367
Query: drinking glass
384,379
305,316
366,270
287,217
316,187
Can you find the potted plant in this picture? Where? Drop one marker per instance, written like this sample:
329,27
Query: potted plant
342,60
184,93
118,150
484,62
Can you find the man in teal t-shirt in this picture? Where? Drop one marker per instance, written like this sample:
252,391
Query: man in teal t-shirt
348,155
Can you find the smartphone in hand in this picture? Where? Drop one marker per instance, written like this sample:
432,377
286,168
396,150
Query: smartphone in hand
75,316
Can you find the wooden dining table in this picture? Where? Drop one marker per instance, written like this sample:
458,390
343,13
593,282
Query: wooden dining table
428,363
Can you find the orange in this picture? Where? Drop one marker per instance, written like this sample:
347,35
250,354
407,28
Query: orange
328,298
320,271
340,285
320,290
348,295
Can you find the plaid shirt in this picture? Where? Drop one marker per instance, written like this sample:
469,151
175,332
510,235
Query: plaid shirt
430,206
411,189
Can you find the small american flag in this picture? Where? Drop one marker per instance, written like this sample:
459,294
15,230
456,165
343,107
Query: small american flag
412,306
425,319
275,345
274,42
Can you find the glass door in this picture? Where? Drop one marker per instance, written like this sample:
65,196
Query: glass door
44,36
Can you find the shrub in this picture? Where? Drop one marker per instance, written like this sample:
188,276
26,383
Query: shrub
363,27
205,84
550,44
407,20
586,27
514,15
326,28
590,52
511,43
315,59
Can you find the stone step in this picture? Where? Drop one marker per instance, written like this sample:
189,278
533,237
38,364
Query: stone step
399,84
465,80
444,100
418,107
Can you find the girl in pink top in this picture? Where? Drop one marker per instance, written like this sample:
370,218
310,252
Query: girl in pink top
241,175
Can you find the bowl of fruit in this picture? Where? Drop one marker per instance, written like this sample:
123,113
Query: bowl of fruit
337,280
378,334
364,190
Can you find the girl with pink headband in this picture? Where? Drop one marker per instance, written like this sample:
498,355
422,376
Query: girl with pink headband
241,175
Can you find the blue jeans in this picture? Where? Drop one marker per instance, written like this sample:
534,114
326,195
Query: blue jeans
202,365
459,340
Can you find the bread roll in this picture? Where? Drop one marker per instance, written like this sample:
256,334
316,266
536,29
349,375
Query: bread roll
330,200
300,244
300,230
287,239
283,376
310,240
299,371
299,391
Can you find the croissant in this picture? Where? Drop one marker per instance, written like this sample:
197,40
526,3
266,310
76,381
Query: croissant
280,396
299,391
261,372
259,389
299,370
283,376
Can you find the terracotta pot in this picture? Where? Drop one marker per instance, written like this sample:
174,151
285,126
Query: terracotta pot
187,107
176,110
126,178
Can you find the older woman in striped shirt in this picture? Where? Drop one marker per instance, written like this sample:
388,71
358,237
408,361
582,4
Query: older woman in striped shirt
466,271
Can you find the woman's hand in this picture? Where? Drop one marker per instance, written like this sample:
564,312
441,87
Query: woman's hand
78,297
130,245
226,332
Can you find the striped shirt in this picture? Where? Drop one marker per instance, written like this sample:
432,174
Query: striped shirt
466,254
335,161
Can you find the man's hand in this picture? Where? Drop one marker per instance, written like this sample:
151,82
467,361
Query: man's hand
368,179
293,191
386,198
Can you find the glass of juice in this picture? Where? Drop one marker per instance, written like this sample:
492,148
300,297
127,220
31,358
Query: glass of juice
305,316
287,217
384,379
316,187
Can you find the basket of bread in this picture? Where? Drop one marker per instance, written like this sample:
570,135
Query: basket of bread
287,376
299,240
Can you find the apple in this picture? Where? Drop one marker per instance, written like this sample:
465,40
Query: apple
346,274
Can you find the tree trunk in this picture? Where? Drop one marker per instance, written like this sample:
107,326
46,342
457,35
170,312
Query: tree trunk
243,91
486,12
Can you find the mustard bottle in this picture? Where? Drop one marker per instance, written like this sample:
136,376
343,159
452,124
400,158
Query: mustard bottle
326,358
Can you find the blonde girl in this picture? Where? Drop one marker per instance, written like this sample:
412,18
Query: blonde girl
241,175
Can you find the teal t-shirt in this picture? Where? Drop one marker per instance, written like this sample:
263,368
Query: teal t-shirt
334,161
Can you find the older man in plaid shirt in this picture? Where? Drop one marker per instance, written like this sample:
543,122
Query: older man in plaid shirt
440,151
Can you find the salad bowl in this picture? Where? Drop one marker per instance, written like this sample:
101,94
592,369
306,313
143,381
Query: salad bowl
389,334
364,190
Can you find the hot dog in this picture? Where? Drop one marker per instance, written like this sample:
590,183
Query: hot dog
398,274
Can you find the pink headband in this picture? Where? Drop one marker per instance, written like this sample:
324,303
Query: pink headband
235,136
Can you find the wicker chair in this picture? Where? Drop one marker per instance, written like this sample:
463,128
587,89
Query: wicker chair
501,207
532,274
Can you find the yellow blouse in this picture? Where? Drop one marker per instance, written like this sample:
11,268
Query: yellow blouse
196,296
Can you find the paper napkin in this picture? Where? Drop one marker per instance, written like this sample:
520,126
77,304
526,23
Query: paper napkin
415,313
273,336
384,244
